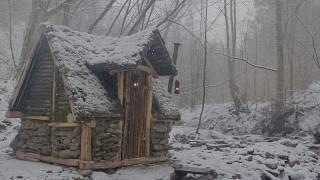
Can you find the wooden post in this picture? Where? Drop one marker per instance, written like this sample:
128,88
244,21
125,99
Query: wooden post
149,107
120,86
85,142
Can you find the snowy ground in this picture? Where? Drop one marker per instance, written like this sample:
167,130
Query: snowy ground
235,154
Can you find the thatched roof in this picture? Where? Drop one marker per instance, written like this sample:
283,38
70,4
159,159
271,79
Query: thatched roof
79,56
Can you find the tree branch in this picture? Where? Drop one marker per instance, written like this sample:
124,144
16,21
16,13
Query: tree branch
52,11
100,17
249,63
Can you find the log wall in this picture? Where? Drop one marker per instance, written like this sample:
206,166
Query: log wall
38,100
62,106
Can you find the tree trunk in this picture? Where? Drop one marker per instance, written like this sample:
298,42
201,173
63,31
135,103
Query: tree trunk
37,16
204,67
234,89
278,124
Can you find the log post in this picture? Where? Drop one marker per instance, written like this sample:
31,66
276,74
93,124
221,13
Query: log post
149,115
85,142
120,86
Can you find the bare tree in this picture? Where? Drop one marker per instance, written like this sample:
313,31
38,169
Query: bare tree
278,122
204,66
10,37
100,17
234,89
141,17
117,16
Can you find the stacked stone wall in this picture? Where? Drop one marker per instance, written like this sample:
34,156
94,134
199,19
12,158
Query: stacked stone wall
66,142
106,141
33,137
159,138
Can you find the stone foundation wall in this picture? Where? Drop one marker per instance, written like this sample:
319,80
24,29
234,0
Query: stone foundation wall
33,137
66,143
106,141
159,138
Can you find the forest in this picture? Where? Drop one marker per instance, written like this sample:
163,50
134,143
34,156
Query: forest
222,89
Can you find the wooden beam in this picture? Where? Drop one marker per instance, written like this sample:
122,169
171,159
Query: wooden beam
128,162
63,125
120,125
148,69
40,118
149,115
120,75
14,114
34,157
85,143
143,160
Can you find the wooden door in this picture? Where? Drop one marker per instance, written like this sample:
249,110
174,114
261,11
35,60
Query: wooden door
137,93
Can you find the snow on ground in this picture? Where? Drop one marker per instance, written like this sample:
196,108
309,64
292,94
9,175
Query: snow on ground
245,156
220,118
229,148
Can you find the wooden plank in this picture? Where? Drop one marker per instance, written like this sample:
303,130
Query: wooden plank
40,118
149,115
148,69
120,126
129,162
85,143
29,156
143,160
63,124
14,114
125,125
120,75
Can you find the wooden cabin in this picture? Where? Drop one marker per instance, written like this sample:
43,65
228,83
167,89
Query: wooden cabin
94,101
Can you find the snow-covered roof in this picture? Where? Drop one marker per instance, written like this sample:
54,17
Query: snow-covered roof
77,54
93,50
104,52
163,103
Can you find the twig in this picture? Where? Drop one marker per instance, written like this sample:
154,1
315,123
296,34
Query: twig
249,63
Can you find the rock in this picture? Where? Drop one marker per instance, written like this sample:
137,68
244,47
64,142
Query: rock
99,129
249,158
271,163
85,173
159,127
289,143
19,177
7,122
68,154
159,147
297,176
2,127
293,160
66,141
283,156
250,151
269,155
237,176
